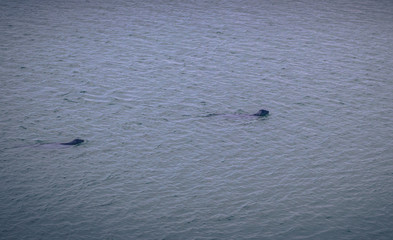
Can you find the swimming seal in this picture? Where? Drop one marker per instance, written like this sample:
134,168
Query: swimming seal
74,142
262,113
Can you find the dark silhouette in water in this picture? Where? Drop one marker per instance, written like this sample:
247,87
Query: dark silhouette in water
262,113
76,141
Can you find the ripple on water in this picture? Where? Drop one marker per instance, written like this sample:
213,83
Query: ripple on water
160,93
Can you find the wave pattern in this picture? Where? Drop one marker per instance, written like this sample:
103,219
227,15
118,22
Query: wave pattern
161,91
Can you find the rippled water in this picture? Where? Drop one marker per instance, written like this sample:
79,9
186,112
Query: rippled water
160,91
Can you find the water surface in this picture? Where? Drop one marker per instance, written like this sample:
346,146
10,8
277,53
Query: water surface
136,80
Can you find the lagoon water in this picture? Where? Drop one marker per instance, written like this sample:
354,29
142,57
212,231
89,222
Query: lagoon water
145,84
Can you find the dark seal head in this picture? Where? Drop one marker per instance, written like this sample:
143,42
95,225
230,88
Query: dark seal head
74,142
262,113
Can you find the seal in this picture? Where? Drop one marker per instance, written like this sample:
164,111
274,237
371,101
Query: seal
262,113
76,141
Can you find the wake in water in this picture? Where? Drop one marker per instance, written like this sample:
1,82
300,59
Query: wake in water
75,142
261,114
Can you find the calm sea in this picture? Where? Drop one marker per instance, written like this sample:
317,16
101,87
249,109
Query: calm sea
161,90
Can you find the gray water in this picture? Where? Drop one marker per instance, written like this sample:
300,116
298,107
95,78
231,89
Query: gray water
152,85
